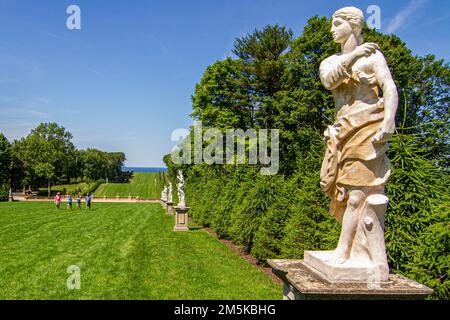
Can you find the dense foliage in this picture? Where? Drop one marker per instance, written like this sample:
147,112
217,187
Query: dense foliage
47,156
273,82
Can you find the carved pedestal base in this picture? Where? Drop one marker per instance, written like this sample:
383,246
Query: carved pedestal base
170,208
181,219
349,271
10,199
301,283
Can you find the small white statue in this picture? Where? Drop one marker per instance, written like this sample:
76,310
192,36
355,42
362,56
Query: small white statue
181,198
169,195
165,193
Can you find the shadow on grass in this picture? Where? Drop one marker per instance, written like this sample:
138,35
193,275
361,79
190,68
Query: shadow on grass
195,228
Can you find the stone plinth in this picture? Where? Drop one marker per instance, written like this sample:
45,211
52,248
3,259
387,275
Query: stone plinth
170,208
164,204
350,271
10,199
181,219
301,283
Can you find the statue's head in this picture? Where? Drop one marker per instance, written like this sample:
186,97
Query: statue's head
345,22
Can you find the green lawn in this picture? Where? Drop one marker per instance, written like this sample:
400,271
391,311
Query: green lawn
144,184
125,251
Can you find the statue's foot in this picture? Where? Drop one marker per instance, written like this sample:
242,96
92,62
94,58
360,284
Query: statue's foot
339,256
338,260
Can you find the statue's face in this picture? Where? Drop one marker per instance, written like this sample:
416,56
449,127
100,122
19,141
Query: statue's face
341,30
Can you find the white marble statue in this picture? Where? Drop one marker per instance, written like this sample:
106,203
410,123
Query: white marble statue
355,167
181,198
165,193
169,195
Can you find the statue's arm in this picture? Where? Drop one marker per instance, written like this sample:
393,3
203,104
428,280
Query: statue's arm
390,96
333,73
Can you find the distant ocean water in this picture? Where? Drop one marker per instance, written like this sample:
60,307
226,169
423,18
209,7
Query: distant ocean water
144,169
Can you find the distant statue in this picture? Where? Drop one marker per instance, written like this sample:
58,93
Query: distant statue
181,197
165,193
355,167
169,195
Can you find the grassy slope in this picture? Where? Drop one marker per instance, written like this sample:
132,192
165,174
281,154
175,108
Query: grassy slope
143,184
125,251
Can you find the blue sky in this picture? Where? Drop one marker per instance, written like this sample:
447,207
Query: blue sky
124,81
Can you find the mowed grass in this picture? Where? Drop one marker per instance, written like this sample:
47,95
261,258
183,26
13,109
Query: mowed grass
124,251
146,185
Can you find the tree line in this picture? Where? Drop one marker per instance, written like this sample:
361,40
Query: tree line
273,82
47,156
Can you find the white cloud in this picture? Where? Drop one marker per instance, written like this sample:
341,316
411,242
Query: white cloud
403,15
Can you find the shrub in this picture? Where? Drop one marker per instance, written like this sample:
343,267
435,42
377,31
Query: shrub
91,189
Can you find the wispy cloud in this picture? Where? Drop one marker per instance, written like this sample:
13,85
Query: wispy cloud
19,115
157,41
6,80
403,15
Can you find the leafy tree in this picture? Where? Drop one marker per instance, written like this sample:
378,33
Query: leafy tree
96,164
46,153
220,99
262,53
5,159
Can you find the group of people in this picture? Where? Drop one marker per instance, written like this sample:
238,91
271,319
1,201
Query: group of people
88,201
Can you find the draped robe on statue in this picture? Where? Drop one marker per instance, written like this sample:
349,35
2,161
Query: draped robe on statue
352,161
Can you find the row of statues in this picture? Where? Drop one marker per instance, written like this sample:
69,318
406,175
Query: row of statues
166,193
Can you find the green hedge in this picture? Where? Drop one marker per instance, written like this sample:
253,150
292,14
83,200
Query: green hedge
4,193
91,189
73,189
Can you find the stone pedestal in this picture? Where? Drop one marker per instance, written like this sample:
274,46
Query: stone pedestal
170,208
181,219
302,283
164,204
10,198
